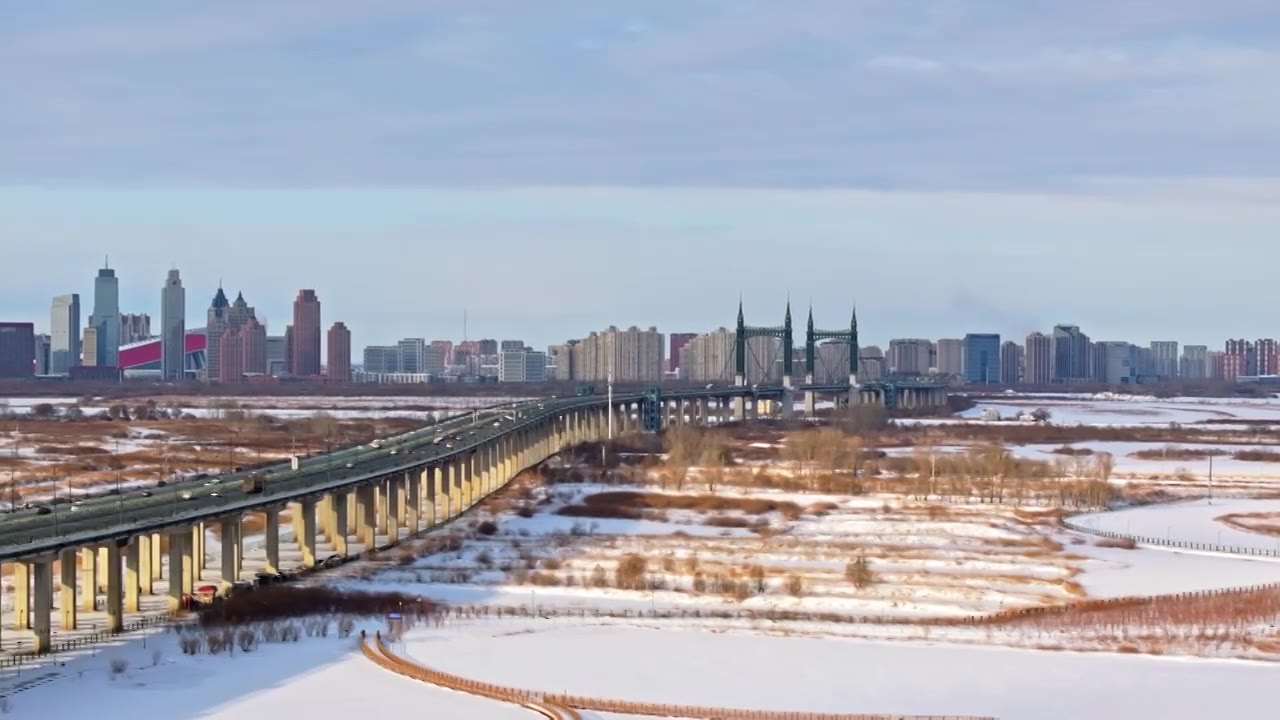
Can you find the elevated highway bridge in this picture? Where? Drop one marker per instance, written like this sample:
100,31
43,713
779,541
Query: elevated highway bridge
123,546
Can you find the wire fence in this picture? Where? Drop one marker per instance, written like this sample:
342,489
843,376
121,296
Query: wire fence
1171,543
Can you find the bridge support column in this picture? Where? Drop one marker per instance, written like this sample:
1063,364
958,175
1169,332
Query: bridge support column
304,529
403,489
42,597
272,532
788,399
434,479
21,595
338,532
853,389
156,565
197,548
367,502
485,454
229,528
180,568
454,494
88,579
132,576
412,503
440,493
391,507
115,594
67,588
464,482
144,563
810,403
102,569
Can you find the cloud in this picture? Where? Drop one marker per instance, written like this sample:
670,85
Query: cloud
930,95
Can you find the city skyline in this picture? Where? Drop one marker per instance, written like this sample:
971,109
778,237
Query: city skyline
1087,173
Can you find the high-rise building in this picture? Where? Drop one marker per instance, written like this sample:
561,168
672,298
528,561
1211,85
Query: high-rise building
1071,361
43,360
306,334
1011,361
1240,358
382,359
17,349
1215,365
1114,363
253,347
1164,358
447,347
434,359
910,355
708,358
632,355
134,327
173,328
64,334
413,355
288,349
487,347
511,346
106,318
677,343
277,355
89,341
561,358
951,356
522,366
982,358
1194,364
231,356
338,367
1266,352
1039,360
215,325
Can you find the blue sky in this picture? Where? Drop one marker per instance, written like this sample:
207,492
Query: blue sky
556,167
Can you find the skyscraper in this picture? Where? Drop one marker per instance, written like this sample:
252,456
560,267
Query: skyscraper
1039,360
1010,363
338,367
951,356
173,328
253,341
306,334
64,334
17,349
1070,354
231,357
134,327
106,318
1195,362
215,325
677,342
1164,358
982,358
413,355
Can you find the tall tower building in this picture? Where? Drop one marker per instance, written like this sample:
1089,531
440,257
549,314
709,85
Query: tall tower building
253,339
1164,358
1011,360
1039,360
64,334
982,358
17,350
173,328
1071,361
951,356
306,334
106,318
339,353
215,325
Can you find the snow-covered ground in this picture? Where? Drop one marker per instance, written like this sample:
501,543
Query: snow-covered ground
282,407
1194,521
794,673
1132,410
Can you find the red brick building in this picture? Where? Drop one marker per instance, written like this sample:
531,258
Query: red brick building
338,367
306,334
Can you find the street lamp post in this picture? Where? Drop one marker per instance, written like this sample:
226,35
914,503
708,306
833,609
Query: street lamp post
119,494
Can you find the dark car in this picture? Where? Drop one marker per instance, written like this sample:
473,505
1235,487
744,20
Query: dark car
43,510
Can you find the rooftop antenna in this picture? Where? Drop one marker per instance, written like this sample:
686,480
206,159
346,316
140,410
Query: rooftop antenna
464,324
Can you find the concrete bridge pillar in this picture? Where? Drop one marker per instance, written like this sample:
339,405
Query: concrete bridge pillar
21,595
144,563
486,468
181,567
426,508
367,516
67,588
305,531
132,576
403,487
115,590
412,503
853,389
157,567
229,528
197,544
102,569
42,601
788,398
440,493
395,493
88,579
272,533
452,490
336,504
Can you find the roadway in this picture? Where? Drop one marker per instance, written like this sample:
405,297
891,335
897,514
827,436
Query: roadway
101,519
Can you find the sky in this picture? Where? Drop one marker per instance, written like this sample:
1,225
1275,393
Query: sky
557,167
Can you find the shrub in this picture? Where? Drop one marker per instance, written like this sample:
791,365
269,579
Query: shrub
487,527
727,521
795,585
630,572
118,666
484,558
551,563
525,511
247,640
859,573
598,577
1123,543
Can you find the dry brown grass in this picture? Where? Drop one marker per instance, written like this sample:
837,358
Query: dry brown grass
630,505
1121,543
1176,453
1255,522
